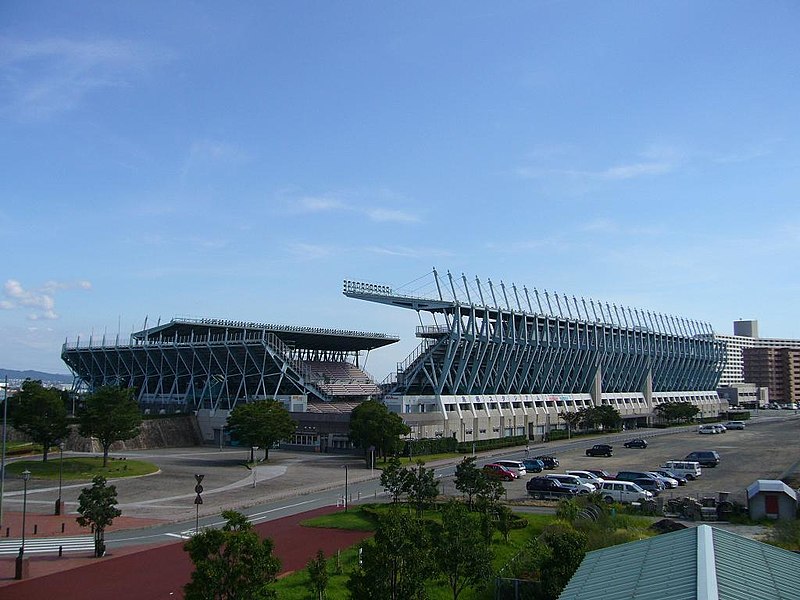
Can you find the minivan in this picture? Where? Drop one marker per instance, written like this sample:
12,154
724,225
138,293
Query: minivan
706,458
711,428
513,465
684,468
623,491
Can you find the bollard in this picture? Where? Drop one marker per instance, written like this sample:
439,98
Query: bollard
35,529
60,551
8,531
62,528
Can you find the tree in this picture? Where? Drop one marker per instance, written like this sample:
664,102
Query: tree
572,419
372,424
489,494
111,414
469,479
97,507
565,551
231,563
608,416
393,479
673,412
396,563
318,574
260,423
421,487
461,553
39,413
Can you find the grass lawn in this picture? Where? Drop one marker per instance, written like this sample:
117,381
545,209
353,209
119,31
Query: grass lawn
81,468
354,519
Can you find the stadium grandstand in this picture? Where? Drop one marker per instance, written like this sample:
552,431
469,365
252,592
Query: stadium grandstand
497,361
207,366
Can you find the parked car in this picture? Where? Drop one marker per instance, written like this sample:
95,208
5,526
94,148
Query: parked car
533,465
600,450
706,458
636,443
544,488
671,475
734,425
634,475
604,475
623,491
711,428
587,477
654,486
550,462
669,482
572,482
513,465
689,469
499,472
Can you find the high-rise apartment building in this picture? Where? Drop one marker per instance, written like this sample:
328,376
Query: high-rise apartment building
775,368
745,336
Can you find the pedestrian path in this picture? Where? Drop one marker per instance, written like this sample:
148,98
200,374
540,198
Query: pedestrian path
9,547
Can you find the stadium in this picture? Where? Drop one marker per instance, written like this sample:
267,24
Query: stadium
493,361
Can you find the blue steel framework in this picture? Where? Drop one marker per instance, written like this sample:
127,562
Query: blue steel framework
507,348
213,363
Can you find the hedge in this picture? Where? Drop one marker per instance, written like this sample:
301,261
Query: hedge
425,446
492,444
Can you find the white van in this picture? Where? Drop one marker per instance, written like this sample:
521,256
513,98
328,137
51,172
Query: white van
712,429
513,465
623,491
689,469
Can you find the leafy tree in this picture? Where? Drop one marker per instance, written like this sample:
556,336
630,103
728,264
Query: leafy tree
39,413
372,424
676,412
111,414
608,416
555,556
505,520
489,494
421,487
393,479
396,563
572,419
318,574
260,423
469,479
589,417
461,553
97,507
231,563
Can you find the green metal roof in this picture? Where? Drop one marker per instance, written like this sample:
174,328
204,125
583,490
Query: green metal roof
701,563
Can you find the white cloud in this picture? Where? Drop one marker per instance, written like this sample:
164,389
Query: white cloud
354,203
655,160
383,215
406,252
42,300
49,76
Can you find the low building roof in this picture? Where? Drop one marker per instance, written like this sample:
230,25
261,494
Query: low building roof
770,485
698,563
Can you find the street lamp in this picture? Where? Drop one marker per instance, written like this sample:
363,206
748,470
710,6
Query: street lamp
345,489
60,475
25,476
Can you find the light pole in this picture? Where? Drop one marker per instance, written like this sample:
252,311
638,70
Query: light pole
3,451
346,502
25,476
60,475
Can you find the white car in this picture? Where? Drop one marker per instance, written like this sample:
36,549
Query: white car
572,482
513,465
623,491
668,482
711,429
588,477
735,425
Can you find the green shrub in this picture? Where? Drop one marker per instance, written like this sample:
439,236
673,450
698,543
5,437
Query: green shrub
492,444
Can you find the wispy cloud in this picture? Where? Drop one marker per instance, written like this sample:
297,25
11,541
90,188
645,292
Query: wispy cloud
49,76
354,203
41,300
406,252
205,153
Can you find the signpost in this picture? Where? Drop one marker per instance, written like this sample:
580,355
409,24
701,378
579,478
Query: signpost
197,502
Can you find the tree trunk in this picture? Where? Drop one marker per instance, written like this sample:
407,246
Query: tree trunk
266,453
105,454
45,450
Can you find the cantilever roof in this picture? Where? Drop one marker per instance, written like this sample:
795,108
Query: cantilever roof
698,563
311,338
770,485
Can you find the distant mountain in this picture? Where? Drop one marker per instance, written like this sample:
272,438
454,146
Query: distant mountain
44,377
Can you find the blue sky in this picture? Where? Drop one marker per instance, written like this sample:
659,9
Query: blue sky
240,160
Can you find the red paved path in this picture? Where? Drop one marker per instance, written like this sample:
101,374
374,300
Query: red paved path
161,572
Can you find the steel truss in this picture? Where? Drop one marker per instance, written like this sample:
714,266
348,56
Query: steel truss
495,349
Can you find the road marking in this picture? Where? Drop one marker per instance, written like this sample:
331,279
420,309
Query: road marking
44,545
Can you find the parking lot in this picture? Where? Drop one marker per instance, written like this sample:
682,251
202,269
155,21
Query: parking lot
765,449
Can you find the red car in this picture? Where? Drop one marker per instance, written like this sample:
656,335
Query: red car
499,472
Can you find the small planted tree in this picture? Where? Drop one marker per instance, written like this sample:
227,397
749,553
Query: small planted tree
421,487
97,507
393,479
260,423
317,569
111,414
469,479
231,563
462,554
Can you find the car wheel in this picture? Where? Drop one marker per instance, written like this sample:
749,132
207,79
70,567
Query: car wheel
608,500
690,477
538,496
